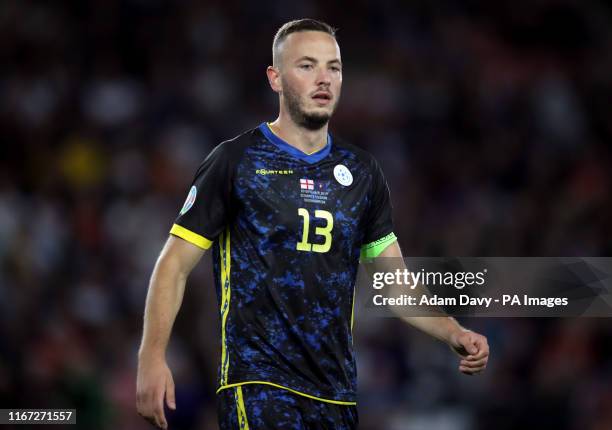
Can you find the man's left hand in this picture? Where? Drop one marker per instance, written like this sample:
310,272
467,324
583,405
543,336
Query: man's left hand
473,350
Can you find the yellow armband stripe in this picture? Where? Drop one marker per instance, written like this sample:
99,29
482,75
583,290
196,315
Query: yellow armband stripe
373,249
190,236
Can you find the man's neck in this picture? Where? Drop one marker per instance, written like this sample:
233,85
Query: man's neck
307,141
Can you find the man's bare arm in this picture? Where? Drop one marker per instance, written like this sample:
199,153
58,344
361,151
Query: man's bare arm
472,347
174,264
165,295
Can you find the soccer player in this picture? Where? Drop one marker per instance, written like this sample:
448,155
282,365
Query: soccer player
288,211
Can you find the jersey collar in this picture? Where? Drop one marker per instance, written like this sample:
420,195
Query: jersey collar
280,143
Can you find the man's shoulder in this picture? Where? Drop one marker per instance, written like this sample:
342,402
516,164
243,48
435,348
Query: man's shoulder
353,151
239,142
232,149
227,154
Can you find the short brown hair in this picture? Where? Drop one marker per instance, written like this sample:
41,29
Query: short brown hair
305,24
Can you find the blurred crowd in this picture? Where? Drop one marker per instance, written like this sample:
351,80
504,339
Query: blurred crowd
492,121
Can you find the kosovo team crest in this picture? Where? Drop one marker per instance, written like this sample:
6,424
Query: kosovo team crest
343,175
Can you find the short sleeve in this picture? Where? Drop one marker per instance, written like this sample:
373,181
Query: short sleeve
205,211
379,221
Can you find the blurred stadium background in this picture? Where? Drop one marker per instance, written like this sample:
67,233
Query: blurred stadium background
493,123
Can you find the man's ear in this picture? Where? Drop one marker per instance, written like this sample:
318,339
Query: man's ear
274,79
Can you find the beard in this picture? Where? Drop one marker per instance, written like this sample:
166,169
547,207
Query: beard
309,121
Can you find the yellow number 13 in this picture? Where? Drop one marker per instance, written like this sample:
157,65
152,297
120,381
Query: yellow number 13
325,231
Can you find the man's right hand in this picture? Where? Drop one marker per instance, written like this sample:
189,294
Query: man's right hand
153,384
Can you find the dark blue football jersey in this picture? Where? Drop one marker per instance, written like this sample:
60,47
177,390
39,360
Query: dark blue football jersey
287,231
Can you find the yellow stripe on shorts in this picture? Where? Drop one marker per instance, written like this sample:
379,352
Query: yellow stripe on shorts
243,423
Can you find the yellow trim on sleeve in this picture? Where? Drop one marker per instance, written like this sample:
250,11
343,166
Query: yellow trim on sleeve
243,423
238,384
373,249
190,236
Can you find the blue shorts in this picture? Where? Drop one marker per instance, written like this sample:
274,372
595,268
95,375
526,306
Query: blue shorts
264,407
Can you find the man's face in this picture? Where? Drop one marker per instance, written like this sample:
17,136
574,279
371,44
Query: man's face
311,77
